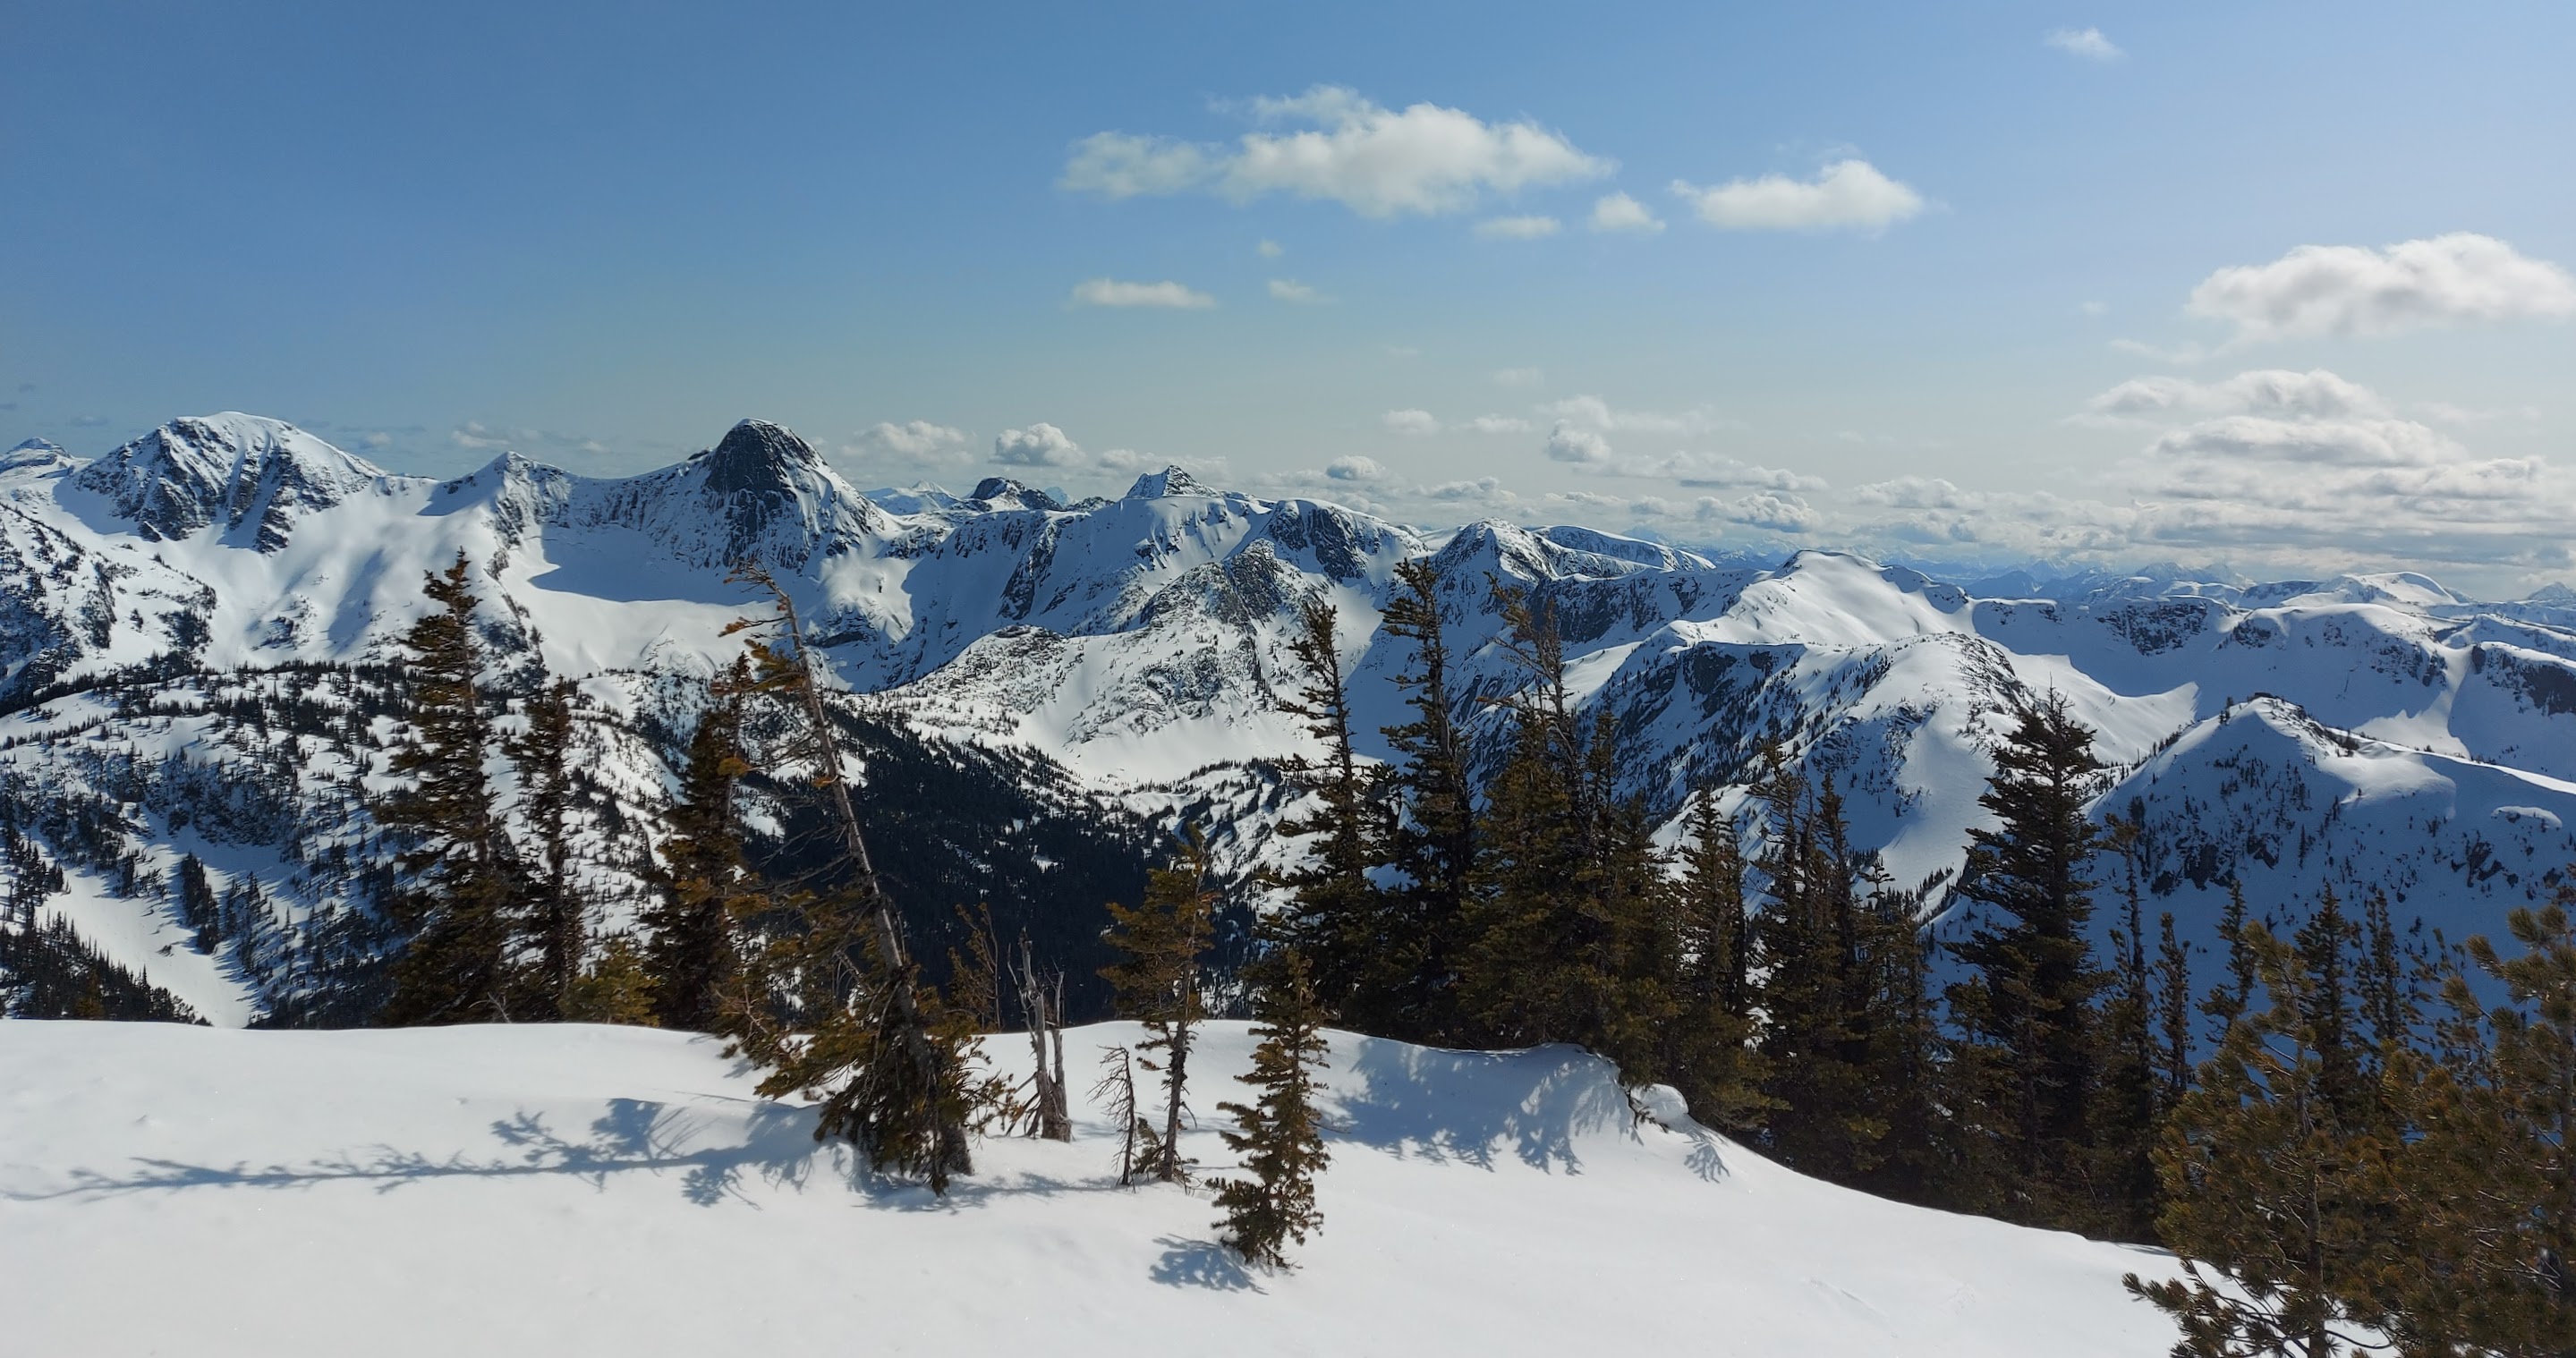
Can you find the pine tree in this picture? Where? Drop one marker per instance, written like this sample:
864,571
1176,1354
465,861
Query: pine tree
1333,915
1156,978
2486,1195
2117,1183
1433,841
2173,1013
456,899
1572,935
613,988
1708,1052
553,915
2227,1001
2030,1059
2266,1180
1282,1137
700,882
834,1004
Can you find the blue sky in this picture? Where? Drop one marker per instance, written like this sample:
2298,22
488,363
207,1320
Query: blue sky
1948,282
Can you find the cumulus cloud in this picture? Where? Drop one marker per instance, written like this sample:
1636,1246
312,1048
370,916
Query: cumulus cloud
1775,511
1517,228
1270,249
1619,212
2087,43
1847,193
1039,445
1415,422
2274,392
1483,489
1567,443
2353,290
1354,469
1341,147
917,439
1496,424
1290,290
1117,292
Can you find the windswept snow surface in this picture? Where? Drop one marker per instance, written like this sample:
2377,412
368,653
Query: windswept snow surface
582,1190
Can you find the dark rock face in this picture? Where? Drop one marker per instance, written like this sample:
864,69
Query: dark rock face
192,473
761,459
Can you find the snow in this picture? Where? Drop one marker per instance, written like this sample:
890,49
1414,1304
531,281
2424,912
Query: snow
583,1190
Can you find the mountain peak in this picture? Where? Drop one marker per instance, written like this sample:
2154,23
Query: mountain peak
760,457
1168,481
34,454
230,469
1001,492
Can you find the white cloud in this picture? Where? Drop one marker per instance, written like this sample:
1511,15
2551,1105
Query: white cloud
912,439
2093,308
1039,445
1355,469
2181,355
1847,193
1518,377
1496,424
1778,512
1414,422
1517,228
2352,290
1566,443
2087,43
1484,489
1116,292
1290,290
1270,249
1619,212
1379,162
2273,392
1600,414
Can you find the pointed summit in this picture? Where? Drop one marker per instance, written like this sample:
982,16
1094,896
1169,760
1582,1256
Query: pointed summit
1168,481
760,457
1001,492
34,455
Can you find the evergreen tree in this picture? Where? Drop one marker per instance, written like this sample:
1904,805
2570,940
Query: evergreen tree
1156,978
2117,1180
2173,1013
613,988
1572,937
1433,840
1282,1137
1333,916
2030,1058
700,883
834,1004
2266,1179
458,875
2486,1195
1708,1052
2227,1001
553,914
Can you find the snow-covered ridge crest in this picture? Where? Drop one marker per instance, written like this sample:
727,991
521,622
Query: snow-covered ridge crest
230,470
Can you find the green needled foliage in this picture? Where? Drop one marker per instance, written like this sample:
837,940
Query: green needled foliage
1281,1134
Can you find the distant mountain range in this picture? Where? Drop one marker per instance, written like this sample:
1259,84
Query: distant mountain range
192,630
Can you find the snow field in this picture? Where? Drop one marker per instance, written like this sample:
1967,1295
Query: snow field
579,1190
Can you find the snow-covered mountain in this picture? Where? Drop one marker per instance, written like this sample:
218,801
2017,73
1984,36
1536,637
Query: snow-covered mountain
211,602
576,1190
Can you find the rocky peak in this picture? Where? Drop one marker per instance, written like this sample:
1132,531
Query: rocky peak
1168,481
230,469
761,458
1001,492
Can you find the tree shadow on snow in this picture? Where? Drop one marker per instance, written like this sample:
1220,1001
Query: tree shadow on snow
775,1144
1201,1263
1445,1105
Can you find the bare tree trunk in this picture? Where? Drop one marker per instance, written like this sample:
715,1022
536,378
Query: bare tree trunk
1044,1012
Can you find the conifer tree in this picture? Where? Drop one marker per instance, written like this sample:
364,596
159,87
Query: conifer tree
2173,1012
2267,1181
700,882
1572,937
858,1027
553,914
1138,1146
456,896
2227,1001
2030,1060
1332,917
1281,1136
1708,1052
1433,839
2486,1195
613,988
1156,979
2114,1193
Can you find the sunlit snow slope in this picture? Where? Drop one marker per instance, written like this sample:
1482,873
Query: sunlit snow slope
577,1190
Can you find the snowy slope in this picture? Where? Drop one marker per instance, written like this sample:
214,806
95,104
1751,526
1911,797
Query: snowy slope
1140,643
573,1190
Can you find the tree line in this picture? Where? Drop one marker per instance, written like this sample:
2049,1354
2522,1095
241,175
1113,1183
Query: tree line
1766,968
